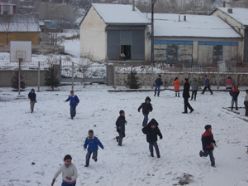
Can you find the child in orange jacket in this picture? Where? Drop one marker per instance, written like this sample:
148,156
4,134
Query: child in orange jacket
176,84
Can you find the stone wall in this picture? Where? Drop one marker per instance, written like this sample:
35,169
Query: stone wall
30,77
147,79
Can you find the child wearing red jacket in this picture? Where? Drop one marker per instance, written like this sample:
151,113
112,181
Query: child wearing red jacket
208,144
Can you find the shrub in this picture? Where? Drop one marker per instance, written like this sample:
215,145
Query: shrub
133,81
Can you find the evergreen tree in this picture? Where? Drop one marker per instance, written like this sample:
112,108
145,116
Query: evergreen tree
52,78
132,80
15,81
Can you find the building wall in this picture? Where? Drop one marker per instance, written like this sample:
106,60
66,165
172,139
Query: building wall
30,77
133,36
239,28
245,49
173,51
197,51
93,39
5,38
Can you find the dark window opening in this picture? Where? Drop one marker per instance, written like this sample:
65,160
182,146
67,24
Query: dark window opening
217,53
125,52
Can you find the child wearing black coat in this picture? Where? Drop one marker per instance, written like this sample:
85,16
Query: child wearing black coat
120,127
146,109
152,132
32,98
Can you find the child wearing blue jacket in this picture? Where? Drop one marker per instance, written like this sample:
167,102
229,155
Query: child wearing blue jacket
91,144
74,100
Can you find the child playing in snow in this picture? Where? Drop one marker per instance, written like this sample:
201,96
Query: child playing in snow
234,94
91,143
152,131
73,103
69,172
246,103
120,127
176,84
32,98
146,109
207,85
158,83
208,144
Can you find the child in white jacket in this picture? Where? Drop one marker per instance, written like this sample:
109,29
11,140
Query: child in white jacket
69,172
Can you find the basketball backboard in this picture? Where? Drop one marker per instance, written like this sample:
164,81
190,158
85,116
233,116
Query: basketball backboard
20,50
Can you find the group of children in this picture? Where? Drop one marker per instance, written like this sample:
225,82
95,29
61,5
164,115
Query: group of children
194,85
152,132
150,129
68,170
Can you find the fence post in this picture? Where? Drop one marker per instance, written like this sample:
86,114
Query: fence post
38,76
218,80
19,76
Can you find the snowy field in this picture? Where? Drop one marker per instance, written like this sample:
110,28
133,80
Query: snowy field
47,135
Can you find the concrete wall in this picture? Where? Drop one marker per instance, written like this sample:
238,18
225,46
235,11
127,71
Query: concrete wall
215,78
5,38
93,38
197,50
30,77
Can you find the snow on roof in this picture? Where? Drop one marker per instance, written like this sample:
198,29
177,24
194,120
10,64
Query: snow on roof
19,23
6,3
240,14
194,26
120,14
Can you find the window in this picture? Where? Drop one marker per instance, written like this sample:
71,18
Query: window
217,53
172,54
125,52
6,9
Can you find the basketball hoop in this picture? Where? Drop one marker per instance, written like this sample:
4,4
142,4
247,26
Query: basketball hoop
20,51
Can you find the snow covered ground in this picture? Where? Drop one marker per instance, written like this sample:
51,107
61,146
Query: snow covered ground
47,135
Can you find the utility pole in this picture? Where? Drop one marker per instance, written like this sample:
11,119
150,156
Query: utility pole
73,72
152,31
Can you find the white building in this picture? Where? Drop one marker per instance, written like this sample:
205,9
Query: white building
115,33
199,40
237,18
118,33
